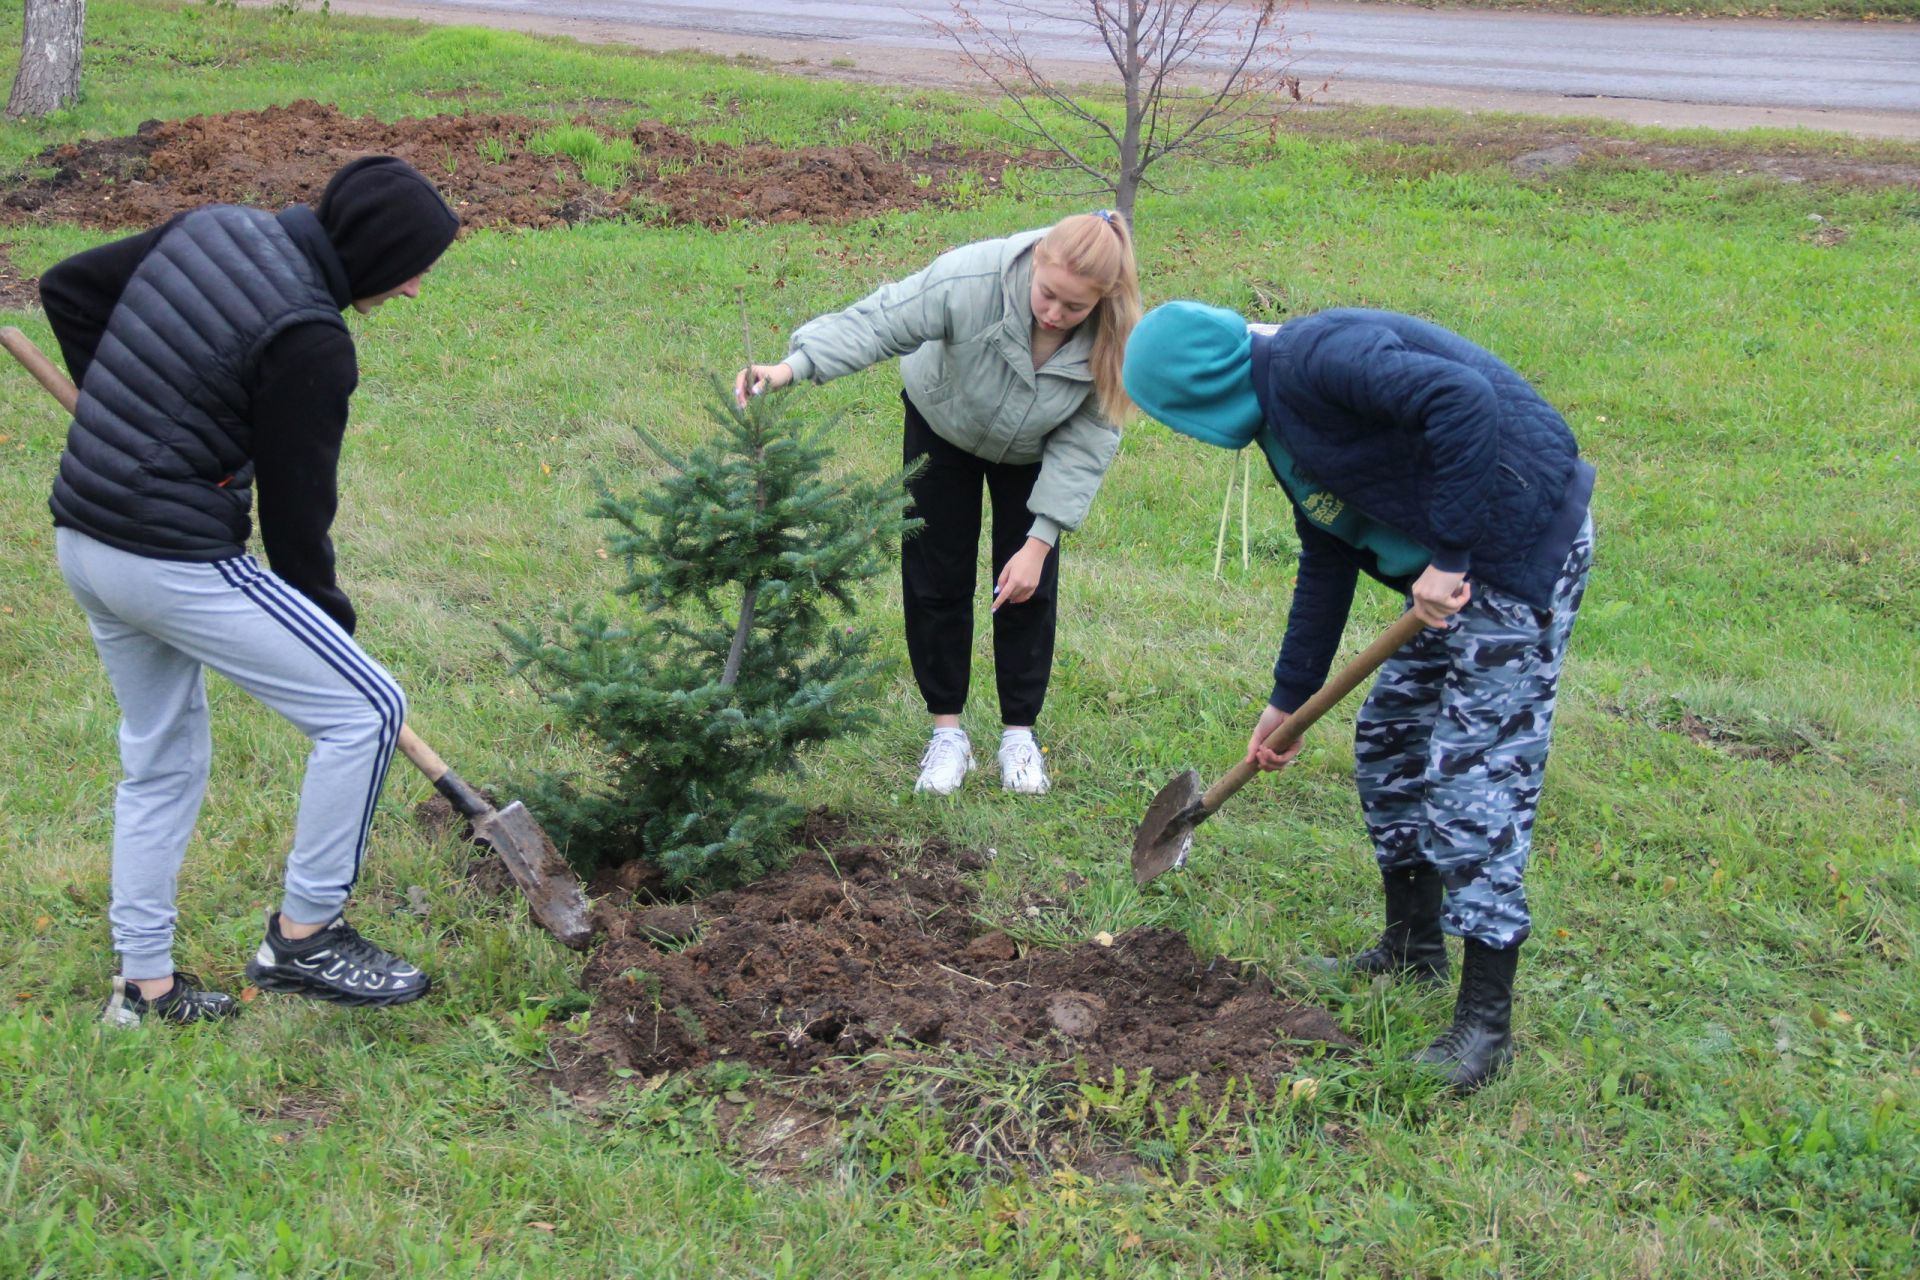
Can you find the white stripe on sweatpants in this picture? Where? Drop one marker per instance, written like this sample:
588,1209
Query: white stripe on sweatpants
156,625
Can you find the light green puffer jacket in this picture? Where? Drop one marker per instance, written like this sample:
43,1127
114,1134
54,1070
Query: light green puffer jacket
965,327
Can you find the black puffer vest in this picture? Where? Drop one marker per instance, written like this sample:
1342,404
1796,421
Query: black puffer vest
159,456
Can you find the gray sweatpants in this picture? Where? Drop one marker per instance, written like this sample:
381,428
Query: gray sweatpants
156,624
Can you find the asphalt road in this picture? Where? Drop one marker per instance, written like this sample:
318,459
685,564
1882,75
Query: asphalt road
1853,77
1863,66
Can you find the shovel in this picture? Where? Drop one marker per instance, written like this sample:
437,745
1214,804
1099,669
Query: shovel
1161,841
553,894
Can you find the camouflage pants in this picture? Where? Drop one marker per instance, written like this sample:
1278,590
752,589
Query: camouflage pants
1451,746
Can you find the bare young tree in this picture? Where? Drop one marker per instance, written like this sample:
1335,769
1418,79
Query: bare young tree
1193,76
50,40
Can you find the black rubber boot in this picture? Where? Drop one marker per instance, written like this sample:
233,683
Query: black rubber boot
1411,945
1480,1042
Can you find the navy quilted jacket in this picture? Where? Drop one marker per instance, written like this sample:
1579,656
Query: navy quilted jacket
1428,434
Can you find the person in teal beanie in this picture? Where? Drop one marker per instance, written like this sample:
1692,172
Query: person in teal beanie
1414,456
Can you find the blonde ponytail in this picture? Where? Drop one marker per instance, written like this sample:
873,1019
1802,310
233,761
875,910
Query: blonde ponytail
1098,248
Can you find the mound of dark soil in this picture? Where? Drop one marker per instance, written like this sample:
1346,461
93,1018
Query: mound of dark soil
857,950
481,163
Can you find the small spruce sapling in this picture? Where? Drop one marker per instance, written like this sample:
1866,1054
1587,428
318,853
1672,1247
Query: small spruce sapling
744,564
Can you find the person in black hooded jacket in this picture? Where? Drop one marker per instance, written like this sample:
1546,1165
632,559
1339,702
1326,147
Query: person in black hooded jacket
212,360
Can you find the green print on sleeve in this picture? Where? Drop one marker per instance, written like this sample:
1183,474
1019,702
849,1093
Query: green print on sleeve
1397,555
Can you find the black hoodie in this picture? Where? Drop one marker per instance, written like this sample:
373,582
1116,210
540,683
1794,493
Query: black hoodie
299,394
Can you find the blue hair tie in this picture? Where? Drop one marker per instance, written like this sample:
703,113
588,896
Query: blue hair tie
1105,215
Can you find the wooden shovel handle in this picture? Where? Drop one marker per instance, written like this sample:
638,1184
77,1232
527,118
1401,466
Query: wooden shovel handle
1390,642
424,757
48,374
465,800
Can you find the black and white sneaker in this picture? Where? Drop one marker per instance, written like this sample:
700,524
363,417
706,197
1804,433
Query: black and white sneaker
334,964
184,1002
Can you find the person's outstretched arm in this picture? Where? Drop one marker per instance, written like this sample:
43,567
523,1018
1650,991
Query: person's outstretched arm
893,320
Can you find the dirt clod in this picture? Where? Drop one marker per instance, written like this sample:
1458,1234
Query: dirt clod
993,946
666,926
1546,160
1075,1013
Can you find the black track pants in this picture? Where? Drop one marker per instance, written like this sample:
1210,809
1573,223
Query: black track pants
938,580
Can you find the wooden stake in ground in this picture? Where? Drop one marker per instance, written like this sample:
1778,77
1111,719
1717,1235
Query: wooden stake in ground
1246,533
1226,509
1245,466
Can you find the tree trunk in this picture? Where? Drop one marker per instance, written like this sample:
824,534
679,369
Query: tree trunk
1127,181
50,40
730,675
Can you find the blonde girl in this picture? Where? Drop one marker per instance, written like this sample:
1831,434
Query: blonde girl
1011,361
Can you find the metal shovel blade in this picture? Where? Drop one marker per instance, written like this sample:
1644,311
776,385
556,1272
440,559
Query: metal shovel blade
1161,841
553,894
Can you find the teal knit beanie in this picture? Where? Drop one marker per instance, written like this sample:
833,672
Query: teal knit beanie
1191,366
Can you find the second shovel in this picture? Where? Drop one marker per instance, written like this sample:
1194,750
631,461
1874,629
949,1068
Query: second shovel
1161,841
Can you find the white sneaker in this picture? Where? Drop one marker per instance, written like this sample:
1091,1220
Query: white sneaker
1022,768
949,759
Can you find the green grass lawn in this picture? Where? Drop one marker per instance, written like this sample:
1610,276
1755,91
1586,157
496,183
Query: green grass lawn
1719,1014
